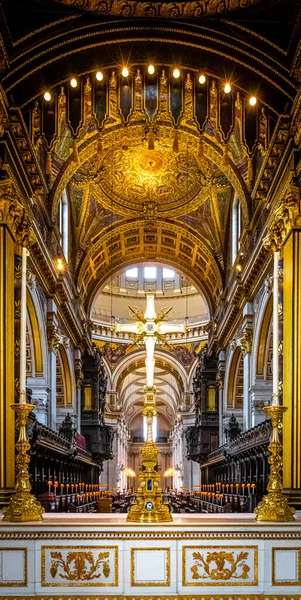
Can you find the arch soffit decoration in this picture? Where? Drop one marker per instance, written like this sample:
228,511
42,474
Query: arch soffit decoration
230,383
264,338
38,333
139,241
67,375
135,360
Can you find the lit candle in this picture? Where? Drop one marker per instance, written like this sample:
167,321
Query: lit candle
275,396
23,330
49,486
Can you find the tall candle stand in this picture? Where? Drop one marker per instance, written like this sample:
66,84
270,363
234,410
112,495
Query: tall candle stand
274,506
23,506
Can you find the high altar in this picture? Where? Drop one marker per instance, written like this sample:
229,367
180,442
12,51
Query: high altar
99,556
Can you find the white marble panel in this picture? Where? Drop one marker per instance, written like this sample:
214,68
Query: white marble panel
286,566
13,567
150,566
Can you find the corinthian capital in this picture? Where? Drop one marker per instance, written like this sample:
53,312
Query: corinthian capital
14,214
286,216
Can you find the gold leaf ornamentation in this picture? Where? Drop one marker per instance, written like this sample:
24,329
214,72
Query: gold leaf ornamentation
80,566
224,566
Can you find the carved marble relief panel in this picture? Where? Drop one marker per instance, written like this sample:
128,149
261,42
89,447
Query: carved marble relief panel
219,565
75,566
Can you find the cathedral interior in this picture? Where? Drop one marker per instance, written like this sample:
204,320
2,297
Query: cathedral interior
150,150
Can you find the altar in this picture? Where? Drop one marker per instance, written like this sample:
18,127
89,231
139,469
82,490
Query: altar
100,556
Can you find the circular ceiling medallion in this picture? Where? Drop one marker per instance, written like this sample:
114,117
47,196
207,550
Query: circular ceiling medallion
137,180
136,8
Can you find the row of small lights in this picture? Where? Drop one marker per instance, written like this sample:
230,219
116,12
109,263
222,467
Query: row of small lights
151,71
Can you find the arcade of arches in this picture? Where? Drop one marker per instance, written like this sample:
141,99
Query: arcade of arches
150,148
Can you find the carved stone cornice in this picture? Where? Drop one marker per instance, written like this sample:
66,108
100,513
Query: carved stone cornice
286,216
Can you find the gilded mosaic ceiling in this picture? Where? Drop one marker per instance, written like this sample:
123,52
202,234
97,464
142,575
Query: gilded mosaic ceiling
133,179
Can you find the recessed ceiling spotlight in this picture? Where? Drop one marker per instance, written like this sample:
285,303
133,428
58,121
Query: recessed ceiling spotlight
176,73
227,88
125,72
47,96
99,76
253,100
151,69
73,82
202,79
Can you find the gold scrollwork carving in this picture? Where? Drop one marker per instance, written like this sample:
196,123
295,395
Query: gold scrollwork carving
221,565
226,566
80,566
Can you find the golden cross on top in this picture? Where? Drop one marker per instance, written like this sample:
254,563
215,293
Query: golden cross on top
150,329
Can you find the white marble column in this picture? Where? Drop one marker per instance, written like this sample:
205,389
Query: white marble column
220,378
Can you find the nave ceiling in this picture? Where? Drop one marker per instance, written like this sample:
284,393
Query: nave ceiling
150,164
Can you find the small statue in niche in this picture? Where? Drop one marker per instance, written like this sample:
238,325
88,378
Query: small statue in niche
233,430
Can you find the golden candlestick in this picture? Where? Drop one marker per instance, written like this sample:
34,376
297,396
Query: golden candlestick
23,506
149,507
274,506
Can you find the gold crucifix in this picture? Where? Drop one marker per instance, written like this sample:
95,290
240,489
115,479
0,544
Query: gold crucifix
150,329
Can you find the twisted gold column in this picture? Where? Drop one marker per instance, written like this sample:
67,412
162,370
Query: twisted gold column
274,506
23,506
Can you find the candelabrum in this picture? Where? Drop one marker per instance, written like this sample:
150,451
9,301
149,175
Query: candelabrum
23,506
150,507
274,506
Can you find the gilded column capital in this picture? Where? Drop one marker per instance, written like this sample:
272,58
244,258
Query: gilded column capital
244,340
14,215
56,338
286,216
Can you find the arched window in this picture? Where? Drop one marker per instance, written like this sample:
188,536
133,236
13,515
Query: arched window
236,227
63,224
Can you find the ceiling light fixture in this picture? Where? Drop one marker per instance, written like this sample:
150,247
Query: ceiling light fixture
60,265
99,76
73,82
47,96
151,69
125,72
227,88
253,100
202,79
176,73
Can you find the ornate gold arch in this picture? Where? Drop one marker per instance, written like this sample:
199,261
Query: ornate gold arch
233,375
139,362
141,240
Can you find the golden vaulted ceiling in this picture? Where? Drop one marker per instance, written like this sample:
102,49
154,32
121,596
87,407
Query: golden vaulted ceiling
150,165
